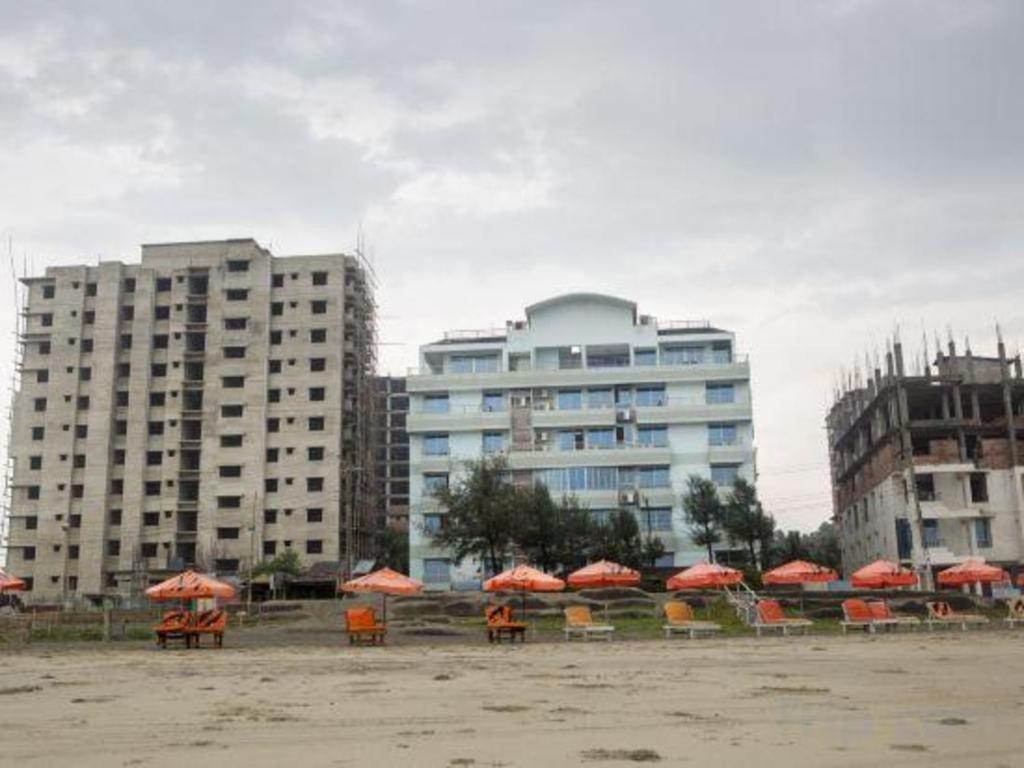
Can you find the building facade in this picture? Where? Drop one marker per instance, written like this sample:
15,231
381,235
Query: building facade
392,446
589,398
927,467
204,408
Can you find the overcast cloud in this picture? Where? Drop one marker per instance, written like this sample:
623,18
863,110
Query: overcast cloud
805,173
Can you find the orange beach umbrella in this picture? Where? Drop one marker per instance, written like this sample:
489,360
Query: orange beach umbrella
704,576
190,586
882,574
604,573
10,583
973,570
524,578
385,582
799,572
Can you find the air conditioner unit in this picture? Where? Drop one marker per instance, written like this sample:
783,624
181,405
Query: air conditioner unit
628,498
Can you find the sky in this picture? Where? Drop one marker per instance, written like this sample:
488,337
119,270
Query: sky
811,175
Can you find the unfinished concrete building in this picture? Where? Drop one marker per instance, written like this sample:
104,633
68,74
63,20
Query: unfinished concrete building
927,466
210,407
392,446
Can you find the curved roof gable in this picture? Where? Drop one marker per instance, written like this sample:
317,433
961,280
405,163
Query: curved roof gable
572,298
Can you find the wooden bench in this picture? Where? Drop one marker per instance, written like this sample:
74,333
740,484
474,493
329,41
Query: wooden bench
361,624
500,622
210,623
679,617
770,616
580,623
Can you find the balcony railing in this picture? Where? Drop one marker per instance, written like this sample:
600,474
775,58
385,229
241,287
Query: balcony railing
427,370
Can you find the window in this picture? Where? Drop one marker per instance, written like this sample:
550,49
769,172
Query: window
235,323
128,285
318,307
434,482
35,462
83,401
113,547
233,382
163,284
32,492
236,294
317,364
719,393
149,549
49,291
274,395
435,445
931,533
73,551
650,396
38,433
316,423
39,404
90,289
119,456
314,484
154,458
655,519
121,399
682,355
155,427
652,477
231,411
269,516
494,442
645,357
275,337
276,308
270,485
318,335
229,502
238,265
925,488
230,441
78,461
274,366
46,320
77,490
42,376
315,453
603,437
226,565
160,341
570,400
124,370
725,475
230,470
983,532
319,278
979,487
435,403
234,353
432,523
600,398
316,394
274,425
314,547
28,553
655,437
272,455
436,570
152,487
314,515
722,434
277,281
227,533
158,370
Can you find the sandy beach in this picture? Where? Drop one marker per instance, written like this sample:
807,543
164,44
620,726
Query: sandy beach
941,699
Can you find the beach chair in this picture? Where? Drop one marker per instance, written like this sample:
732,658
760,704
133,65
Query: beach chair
881,611
771,617
679,618
857,615
941,613
580,623
361,624
1015,611
210,623
174,625
500,622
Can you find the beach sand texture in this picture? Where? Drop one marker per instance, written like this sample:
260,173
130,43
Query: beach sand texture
936,700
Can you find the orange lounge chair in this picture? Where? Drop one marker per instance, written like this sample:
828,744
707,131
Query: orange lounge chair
679,618
881,611
174,625
361,623
1015,611
500,622
579,621
940,612
210,623
858,614
770,616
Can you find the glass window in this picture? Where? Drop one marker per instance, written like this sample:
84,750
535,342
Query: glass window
721,352
656,518
601,438
435,403
435,445
568,440
494,401
434,482
570,399
473,364
494,442
724,475
648,396
432,523
667,560
983,532
721,434
720,393
602,478
600,398
683,355
931,533
656,437
436,570
652,477
645,357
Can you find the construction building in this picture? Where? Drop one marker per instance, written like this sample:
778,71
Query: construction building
392,446
209,407
927,465
590,398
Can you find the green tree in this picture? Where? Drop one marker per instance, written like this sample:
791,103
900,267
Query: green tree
619,540
824,548
704,513
745,522
576,533
481,515
789,545
539,534
286,562
391,549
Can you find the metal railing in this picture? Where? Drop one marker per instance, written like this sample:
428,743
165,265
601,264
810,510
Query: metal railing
427,370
